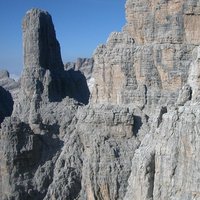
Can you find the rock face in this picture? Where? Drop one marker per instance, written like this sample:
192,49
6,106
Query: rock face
167,163
113,69
147,64
173,22
42,58
166,166
138,138
6,104
44,79
102,143
109,152
31,140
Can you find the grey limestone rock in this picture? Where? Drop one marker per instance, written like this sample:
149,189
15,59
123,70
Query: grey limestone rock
139,136
109,144
33,137
96,158
44,79
166,164
9,84
185,95
85,65
147,63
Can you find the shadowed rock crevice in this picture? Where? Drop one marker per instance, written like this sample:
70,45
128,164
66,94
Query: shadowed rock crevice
137,124
72,84
80,90
163,110
6,104
150,174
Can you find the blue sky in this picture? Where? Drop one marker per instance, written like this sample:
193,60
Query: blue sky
80,26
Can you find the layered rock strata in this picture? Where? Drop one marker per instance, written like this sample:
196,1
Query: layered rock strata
139,136
147,64
166,165
96,158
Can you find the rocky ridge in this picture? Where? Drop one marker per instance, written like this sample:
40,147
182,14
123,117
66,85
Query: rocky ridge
138,136
9,84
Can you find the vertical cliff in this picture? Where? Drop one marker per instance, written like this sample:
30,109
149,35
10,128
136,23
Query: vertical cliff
166,165
148,62
44,79
32,138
